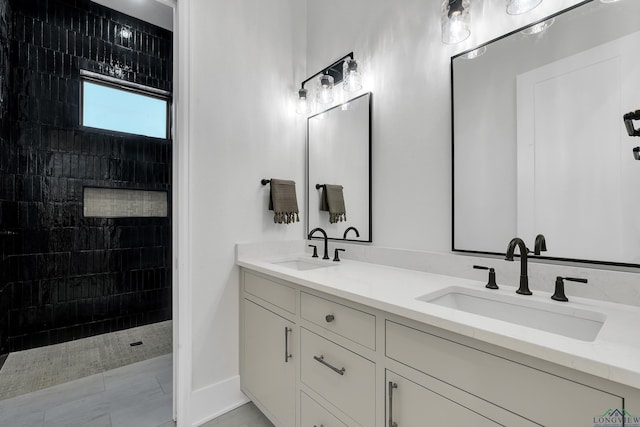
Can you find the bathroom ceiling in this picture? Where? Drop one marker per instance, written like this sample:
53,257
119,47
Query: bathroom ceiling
157,12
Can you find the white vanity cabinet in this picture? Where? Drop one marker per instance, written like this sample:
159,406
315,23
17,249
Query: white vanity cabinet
268,357
335,384
269,369
313,359
542,397
410,404
313,414
344,378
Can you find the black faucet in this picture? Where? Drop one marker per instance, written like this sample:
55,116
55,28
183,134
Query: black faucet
324,235
524,278
540,245
344,236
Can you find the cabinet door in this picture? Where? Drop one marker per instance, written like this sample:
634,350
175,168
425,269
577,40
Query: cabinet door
410,404
269,372
312,414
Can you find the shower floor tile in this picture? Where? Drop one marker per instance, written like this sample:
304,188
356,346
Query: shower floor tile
39,368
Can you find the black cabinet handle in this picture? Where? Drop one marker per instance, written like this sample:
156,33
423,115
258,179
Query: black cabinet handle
328,365
329,318
287,355
392,385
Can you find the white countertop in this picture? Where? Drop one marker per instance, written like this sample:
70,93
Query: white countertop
613,355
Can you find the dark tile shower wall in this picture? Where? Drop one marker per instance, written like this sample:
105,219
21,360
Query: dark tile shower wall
68,276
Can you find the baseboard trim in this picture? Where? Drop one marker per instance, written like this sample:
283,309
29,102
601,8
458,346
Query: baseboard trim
212,401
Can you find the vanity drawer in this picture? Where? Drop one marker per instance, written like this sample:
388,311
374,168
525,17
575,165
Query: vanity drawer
539,396
342,377
312,414
350,323
275,293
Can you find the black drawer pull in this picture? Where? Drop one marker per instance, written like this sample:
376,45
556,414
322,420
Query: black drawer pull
329,318
328,365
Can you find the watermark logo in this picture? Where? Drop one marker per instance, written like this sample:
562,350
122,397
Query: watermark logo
616,418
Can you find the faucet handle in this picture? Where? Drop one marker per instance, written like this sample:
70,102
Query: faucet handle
558,294
315,251
335,254
491,283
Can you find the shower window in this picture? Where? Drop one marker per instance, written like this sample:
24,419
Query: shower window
110,104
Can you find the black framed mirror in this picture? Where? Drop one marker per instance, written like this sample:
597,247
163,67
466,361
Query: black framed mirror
539,141
339,170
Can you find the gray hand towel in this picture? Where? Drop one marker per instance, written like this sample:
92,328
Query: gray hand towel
283,201
332,200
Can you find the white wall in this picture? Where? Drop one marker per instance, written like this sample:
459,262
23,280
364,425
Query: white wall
407,67
246,58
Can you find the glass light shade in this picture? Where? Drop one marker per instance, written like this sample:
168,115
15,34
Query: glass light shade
303,106
517,7
325,89
538,28
456,21
476,53
352,79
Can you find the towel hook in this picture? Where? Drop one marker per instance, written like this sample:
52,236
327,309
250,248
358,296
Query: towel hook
265,181
319,186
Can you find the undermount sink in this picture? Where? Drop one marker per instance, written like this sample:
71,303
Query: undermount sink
551,317
300,264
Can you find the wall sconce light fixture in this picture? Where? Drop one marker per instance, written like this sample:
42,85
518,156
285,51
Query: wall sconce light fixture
324,93
303,105
352,77
456,21
517,7
344,70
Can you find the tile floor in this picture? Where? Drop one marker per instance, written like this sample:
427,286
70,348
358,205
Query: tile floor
245,416
30,370
137,394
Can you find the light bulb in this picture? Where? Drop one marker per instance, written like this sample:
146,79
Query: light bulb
325,89
303,106
456,21
352,79
126,33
